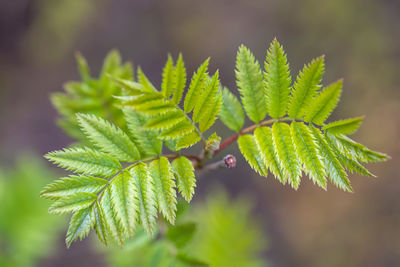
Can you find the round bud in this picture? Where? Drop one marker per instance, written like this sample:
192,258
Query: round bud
230,161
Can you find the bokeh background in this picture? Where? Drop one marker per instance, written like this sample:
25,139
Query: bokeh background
308,227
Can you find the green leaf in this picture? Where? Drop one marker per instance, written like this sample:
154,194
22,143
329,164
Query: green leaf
83,67
213,142
179,130
144,81
249,80
348,126
179,80
334,169
108,137
196,85
184,173
109,216
277,80
123,198
163,179
263,136
231,113
146,196
210,114
353,166
100,225
147,140
252,154
355,150
324,103
73,203
306,86
111,63
165,121
73,184
207,99
80,225
308,153
168,78
286,153
85,160
181,234
188,140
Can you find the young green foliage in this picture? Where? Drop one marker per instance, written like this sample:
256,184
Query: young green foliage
92,95
123,178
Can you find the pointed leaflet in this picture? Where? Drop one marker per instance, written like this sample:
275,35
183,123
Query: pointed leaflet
308,153
265,145
85,160
111,62
73,184
179,80
184,173
146,196
286,153
72,203
231,113
188,140
165,121
334,169
80,225
353,166
277,80
100,225
144,81
206,99
163,179
252,154
355,150
178,130
196,85
250,83
108,137
83,67
146,140
211,113
304,89
348,126
150,103
168,78
324,103
109,217
123,199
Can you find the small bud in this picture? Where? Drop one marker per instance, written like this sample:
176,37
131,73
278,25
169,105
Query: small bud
230,161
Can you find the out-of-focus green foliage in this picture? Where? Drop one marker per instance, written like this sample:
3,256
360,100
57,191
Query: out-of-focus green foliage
27,231
218,232
92,95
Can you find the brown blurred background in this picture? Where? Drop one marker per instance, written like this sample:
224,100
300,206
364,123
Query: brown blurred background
361,41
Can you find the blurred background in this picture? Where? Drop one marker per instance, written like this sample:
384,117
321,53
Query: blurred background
308,227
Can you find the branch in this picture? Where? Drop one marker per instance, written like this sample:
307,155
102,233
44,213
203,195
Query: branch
247,130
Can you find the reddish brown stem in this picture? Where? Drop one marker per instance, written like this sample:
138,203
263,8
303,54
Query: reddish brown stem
247,130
